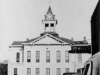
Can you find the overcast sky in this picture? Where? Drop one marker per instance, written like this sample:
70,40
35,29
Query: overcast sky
21,19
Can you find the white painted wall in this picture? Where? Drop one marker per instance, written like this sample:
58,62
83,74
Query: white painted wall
22,66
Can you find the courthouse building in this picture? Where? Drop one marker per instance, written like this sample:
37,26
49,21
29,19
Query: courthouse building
47,54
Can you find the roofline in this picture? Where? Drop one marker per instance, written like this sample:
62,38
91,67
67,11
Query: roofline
15,46
43,36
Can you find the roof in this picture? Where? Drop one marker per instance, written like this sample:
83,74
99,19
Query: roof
49,11
81,42
54,34
17,42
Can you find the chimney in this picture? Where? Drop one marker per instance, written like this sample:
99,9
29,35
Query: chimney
85,41
72,39
27,39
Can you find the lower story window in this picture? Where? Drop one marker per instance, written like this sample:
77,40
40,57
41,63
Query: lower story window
37,71
15,71
47,71
58,71
28,71
66,70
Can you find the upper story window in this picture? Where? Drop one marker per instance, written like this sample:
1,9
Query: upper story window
47,71
58,71
46,25
18,57
47,56
58,56
15,71
66,56
28,56
79,57
66,70
28,71
37,71
37,56
52,25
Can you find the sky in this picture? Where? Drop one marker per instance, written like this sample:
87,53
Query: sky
22,19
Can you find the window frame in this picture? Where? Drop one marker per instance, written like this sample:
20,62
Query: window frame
52,24
18,57
79,57
66,70
47,71
15,71
28,56
37,73
37,56
47,57
58,56
67,56
28,71
46,24
58,70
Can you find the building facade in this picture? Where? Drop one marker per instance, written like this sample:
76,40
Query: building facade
47,54
95,29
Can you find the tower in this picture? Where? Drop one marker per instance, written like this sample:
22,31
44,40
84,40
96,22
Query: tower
49,22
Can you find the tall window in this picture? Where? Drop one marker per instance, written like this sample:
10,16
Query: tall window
18,57
28,56
66,70
28,71
58,71
66,56
47,71
37,56
79,58
37,71
15,71
47,56
58,56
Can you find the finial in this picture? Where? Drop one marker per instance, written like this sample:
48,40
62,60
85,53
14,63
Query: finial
84,38
50,3
27,39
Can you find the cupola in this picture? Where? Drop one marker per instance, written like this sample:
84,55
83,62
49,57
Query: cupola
49,22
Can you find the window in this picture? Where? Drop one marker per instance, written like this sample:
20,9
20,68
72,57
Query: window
66,70
37,56
52,25
37,71
15,71
78,70
46,25
28,56
47,56
47,71
88,68
58,56
28,71
58,71
18,57
79,58
66,56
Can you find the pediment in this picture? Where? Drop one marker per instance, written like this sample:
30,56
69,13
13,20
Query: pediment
47,40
